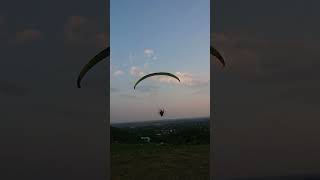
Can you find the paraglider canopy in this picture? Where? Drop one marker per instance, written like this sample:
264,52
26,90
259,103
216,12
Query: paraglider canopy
155,74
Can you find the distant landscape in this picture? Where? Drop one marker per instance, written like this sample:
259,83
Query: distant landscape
164,149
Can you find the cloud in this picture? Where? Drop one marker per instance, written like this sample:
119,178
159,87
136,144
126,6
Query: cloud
135,71
186,79
200,91
148,53
118,73
28,35
129,96
147,88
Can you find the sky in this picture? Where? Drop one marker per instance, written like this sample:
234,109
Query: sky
156,36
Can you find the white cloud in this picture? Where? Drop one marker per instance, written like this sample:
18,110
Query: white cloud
135,71
186,79
118,73
149,53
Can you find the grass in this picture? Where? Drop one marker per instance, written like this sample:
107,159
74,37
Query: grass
155,162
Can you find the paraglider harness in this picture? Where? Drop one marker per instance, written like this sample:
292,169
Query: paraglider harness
161,112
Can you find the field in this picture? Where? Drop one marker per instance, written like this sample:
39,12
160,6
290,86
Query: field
177,150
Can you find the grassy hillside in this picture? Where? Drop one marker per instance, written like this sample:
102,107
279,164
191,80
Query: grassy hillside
155,162
177,150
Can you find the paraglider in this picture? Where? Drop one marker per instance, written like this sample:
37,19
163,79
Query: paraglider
161,112
106,53
155,74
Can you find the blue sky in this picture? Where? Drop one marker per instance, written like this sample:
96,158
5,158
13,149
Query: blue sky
150,36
